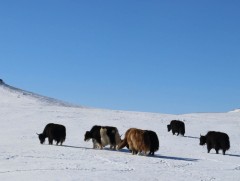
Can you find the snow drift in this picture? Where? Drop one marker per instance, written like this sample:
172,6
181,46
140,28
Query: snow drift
22,157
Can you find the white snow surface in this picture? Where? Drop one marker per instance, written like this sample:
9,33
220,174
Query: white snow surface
22,157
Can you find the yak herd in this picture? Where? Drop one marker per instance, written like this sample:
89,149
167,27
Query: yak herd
136,140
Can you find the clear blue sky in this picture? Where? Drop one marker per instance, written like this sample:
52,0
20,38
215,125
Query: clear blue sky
139,55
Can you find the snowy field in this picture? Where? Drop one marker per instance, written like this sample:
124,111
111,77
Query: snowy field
22,157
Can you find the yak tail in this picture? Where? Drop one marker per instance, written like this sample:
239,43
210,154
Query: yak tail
122,144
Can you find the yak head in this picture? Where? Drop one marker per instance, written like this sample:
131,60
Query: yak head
87,136
169,127
41,138
203,140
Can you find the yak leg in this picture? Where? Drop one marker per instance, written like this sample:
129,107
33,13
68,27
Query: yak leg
113,147
145,153
151,153
57,141
134,152
139,152
217,147
95,144
100,146
224,151
50,140
209,148
61,142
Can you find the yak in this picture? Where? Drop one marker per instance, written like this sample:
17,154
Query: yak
138,141
53,131
102,136
216,140
177,127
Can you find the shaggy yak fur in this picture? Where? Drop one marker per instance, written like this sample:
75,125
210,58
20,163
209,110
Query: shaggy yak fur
216,140
55,132
154,142
102,136
138,141
176,127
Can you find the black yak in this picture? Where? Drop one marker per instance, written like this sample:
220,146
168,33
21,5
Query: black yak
138,141
102,136
176,127
216,140
154,142
53,131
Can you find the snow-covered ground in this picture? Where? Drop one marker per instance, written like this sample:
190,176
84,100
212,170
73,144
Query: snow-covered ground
22,157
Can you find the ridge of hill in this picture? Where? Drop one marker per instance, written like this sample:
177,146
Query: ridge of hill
38,97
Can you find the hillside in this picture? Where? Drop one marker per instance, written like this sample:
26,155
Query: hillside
22,157
236,110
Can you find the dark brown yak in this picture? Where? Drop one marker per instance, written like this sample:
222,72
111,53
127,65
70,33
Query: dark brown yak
55,132
216,140
177,127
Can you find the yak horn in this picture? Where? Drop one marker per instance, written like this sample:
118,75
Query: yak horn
37,134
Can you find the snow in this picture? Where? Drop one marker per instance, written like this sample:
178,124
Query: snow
22,157
236,110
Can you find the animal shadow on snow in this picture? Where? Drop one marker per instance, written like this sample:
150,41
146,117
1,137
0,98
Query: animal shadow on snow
108,149
78,147
220,153
161,156
104,149
232,155
127,151
192,137
175,158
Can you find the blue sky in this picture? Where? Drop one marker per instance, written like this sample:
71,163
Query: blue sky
152,56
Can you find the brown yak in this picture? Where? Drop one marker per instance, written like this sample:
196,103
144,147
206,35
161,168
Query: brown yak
136,140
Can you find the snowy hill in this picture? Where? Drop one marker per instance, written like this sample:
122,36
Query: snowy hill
236,110
42,99
23,114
